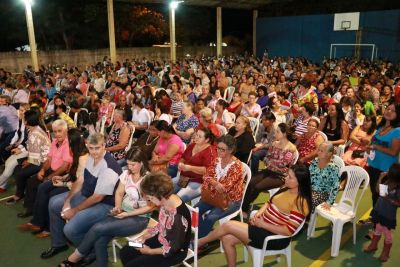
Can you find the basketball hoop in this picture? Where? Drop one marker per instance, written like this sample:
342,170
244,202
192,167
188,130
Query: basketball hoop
345,25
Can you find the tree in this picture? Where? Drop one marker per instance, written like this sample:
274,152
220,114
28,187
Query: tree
140,26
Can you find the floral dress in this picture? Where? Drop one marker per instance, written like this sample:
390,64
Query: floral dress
324,183
307,145
182,125
113,139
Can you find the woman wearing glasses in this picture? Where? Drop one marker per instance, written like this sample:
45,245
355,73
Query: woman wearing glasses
129,216
222,178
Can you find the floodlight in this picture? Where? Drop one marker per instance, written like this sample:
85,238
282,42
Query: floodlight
174,4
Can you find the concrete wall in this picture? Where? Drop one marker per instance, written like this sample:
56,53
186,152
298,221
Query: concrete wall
17,61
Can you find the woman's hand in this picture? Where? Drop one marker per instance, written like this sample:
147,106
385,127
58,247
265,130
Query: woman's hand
257,221
219,187
326,206
146,250
121,215
183,167
115,211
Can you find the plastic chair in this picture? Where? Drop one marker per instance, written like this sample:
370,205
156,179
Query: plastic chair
323,136
195,230
259,254
233,116
246,173
346,210
222,129
228,94
131,137
254,125
113,111
340,163
340,150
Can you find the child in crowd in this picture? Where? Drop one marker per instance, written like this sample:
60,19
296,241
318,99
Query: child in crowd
384,212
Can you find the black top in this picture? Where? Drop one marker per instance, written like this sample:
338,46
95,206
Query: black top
244,144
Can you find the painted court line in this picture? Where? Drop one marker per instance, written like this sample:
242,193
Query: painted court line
327,253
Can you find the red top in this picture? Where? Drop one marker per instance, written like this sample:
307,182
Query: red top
203,158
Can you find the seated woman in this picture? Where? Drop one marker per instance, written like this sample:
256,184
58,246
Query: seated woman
140,118
281,215
168,150
244,138
360,138
16,147
40,221
251,109
306,111
37,146
130,214
262,98
236,105
197,157
118,137
307,144
280,157
206,121
216,97
186,123
324,177
167,243
221,115
335,126
223,178
162,112
147,141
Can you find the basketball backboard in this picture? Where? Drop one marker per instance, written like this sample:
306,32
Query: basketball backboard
346,21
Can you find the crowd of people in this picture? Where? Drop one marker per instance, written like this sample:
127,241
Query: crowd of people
95,151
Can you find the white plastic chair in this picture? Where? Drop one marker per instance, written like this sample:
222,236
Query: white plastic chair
195,230
228,94
246,173
113,111
323,136
222,129
103,124
131,137
233,116
259,254
254,125
340,163
340,150
346,210
114,242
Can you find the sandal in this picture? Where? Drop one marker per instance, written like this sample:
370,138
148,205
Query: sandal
68,263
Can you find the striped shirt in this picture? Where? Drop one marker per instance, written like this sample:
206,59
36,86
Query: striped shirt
283,211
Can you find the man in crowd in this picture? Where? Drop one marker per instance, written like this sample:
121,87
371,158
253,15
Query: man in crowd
73,213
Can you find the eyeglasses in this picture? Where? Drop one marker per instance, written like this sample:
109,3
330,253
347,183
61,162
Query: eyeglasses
221,149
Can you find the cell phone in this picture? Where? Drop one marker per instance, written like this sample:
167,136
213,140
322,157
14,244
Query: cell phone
135,244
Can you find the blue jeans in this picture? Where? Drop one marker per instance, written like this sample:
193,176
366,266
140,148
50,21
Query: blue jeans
76,228
255,160
206,223
103,232
172,170
191,191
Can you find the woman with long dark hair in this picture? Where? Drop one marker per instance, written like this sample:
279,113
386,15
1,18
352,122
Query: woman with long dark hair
129,216
335,126
281,215
59,184
385,147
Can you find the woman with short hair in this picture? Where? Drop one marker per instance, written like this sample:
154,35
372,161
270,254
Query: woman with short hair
167,243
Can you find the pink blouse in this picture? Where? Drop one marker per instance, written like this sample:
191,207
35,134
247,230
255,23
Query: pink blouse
162,147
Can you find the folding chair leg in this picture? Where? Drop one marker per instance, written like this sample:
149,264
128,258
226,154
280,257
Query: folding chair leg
336,238
245,254
311,225
114,251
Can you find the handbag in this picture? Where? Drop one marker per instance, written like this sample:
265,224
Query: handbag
357,154
219,201
183,181
158,167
